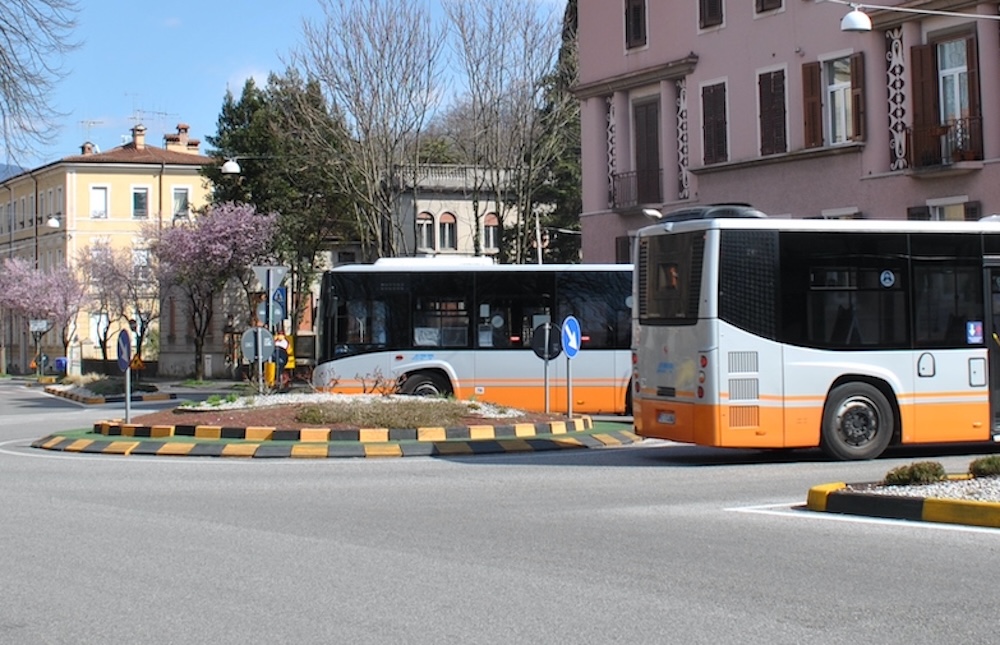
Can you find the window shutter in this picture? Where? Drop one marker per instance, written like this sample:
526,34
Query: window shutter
972,211
772,112
975,109
812,104
713,100
858,97
925,91
918,212
623,249
710,13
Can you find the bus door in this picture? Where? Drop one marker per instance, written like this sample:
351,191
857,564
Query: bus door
993,345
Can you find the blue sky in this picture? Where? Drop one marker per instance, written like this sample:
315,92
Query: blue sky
168,62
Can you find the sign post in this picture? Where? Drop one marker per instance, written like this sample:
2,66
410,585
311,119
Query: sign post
546,346
270,277
125,365
571,343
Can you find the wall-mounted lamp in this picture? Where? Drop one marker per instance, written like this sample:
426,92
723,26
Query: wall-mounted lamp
857,20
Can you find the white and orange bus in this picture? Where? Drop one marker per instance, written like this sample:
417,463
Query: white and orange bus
465,328
849,335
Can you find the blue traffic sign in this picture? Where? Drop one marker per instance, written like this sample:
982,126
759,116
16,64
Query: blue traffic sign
124,350
571,336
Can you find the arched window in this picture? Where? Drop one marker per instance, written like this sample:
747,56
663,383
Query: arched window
447,232
425,231
491,232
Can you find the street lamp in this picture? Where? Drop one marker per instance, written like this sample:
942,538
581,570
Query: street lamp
231,167
858,21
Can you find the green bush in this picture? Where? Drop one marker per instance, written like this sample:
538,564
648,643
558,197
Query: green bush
985,466
921,472
416,413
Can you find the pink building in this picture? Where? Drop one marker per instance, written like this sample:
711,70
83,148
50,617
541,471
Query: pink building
769,102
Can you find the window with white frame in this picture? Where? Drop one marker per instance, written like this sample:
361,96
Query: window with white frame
59,201
447,232
425,231
182,204
98,202
140,202
838,99
491,232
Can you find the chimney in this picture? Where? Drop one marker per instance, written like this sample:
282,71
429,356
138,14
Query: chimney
87,148
139,136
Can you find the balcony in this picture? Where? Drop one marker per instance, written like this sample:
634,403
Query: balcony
946,148
630,189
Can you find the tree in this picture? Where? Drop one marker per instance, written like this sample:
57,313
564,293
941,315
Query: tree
56,295
34,37
377,64
199,258
263,129
504,116
121,288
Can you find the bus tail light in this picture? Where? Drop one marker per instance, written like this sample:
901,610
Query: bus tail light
704,361
701,392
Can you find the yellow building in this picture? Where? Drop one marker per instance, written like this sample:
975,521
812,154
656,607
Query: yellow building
53,213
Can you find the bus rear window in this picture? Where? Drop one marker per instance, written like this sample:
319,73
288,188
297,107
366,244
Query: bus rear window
669,278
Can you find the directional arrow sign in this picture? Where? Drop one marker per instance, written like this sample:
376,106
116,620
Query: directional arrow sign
571,336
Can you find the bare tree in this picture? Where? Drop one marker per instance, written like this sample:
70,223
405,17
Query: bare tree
378,64
506,51
34,37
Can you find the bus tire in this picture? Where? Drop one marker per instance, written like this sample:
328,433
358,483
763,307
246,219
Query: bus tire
425,384
857,422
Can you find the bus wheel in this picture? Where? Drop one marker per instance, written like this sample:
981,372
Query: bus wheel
857,422
425,384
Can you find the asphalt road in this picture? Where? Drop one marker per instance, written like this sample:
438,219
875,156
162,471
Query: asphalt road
655,543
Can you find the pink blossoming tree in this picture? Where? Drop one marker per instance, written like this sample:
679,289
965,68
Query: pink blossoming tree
197,259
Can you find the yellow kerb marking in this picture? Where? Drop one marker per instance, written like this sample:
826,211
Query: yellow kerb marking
121,447
78,445
568,442
384,450
373,435
524,429
160,432
309,452
953,511
51,442
128,429
208,432
607,439
314,435
557,427
515,445
175,449
816,499
482,432
258,433
431,434
240,449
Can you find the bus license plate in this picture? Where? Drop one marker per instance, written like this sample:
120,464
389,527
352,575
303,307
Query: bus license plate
666,418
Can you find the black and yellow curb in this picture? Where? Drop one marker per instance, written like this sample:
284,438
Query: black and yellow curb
117,398
264,442
838,498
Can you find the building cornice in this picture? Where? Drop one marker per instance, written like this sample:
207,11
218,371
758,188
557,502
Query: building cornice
883,19
672,70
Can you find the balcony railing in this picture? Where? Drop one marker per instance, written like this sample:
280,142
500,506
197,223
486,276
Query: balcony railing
946,143
637,187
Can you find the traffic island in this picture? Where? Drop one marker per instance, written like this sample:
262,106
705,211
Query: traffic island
851,499
116,438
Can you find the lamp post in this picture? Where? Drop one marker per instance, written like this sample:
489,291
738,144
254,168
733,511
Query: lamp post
858,21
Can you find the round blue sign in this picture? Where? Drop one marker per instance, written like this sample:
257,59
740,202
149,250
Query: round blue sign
571,336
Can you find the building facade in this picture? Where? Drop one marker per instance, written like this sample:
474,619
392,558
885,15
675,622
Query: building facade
56,212
770,103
